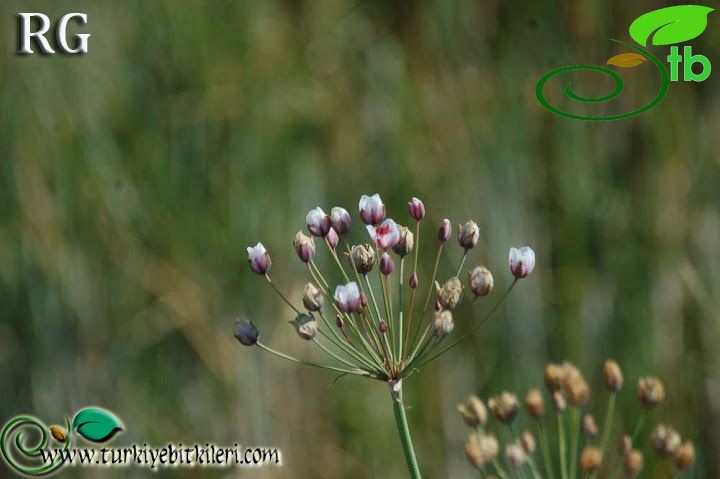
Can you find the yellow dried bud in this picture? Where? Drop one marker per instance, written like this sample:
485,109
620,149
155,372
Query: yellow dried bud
590,459
589,428
684,456
449,293
665,440
554,374
504,407
650,391
625,445
633,463
473,452
575,387
559,401
613,376
474,412
528,442
59,433
516,455
534,403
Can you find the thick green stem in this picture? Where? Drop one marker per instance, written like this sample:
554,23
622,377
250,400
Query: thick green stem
404,430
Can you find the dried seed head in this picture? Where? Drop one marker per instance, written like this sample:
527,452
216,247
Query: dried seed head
489,446
305,326
442,323
59,433
522,261
416,208
504,407
468,235
528,442
259,259
481,281
613,376
473,412
481,449
650,391
387,265
574,385
413,281
318,223
554,374
665,440
515,455
449,293
559,401
625,445
332,238
340,220
405,245
312,298
684,457
589,428
245,332
633,463
473,452
363,258
590,459
304,246
444,230
383,326
534,403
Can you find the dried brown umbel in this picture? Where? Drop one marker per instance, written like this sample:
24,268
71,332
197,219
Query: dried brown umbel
504,407
406,243
481,281
362,257
442,324
613,376
449,294
633,463
312,298
684,457
665,440
534,403
589,427
590,459
473,411
650,391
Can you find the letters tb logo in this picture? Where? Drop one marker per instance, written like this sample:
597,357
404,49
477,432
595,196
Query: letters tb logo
43,24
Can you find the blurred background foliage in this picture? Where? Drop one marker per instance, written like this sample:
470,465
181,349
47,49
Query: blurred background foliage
132,179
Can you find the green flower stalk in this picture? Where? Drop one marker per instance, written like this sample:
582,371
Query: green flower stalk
369,324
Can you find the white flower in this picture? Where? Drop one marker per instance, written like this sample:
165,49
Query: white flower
259,259
522,261
340,219
318,222
372,209
347,297
385,235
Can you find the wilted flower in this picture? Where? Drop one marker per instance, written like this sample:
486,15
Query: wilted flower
304,246
684,457
405,244
504,407
347,297
387,265
468,235
363,258
245,332
332,238
312,298
318,222
650,391
473,453
625,445
516,455
340,220
259,259
589,427
535,404
527,440
559,401
633,463
665,440
481,449
481,281
613,376
590,459
372,209
473,411
416,208
449,293
554,374
442,323
305,326
522,261
385,235
444,230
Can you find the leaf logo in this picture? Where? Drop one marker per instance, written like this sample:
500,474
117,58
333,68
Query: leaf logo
671,25
627,60
96,425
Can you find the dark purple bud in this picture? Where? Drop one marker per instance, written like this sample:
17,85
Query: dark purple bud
245,332
340,220
332,238
444,230
339,321
383,326
387,266
318,222
413,281
363,300
416,208
259,259
304,247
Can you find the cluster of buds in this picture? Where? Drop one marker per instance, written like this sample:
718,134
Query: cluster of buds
374,321
568,393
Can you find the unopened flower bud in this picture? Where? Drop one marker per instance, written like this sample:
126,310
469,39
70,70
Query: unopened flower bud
449,293
590,459
504,407
340,220
625,445
442,324
372,209
383,326
363,258
332,238
245,332
574,385
589,427
473,411
684,457
304,247
387,265
516,456
444,230
468,235
522,261
406,243
347,297
650,391
528,442
559,401
473,452
305,326
633,463
318,222
534,403
339,321
413,281
481,281
259,259
554,377
312,297
481,449
363,300
613,376
416,208
665,440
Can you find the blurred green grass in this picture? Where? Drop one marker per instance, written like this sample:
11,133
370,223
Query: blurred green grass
133,177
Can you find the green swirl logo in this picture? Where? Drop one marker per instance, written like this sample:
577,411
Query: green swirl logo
666,26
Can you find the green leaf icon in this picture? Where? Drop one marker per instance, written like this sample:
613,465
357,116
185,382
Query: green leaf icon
96,425
672,25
